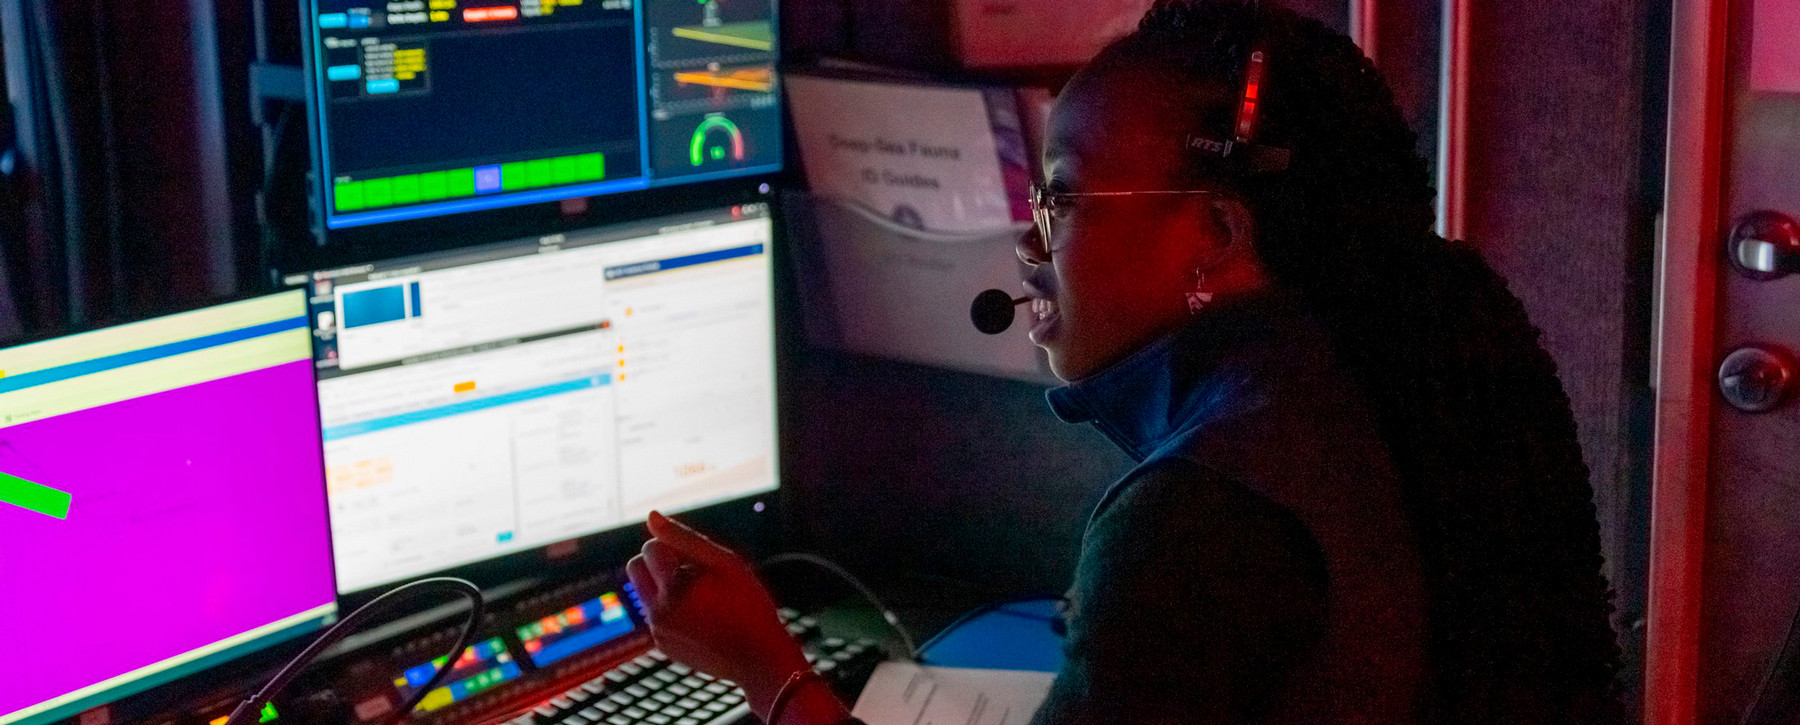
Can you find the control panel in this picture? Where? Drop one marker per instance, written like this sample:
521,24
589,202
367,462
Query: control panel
572,653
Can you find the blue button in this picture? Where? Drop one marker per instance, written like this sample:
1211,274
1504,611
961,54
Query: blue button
333,20
487,179
359,20
344,72
385,85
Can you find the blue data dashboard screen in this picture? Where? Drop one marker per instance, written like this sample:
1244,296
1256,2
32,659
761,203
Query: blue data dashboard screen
430,107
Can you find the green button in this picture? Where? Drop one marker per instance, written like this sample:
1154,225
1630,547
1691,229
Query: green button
539,172
592,166
406,189
348,195
512,176
434,185
460,182
378,192
565,169
34,496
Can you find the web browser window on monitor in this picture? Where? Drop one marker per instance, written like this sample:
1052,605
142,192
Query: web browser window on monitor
152,475
490,400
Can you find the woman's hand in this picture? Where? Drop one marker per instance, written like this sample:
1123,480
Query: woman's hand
708,610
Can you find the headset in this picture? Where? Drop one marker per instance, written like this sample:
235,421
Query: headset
1241,149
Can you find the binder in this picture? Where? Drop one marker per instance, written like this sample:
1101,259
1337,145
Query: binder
918,197
893,291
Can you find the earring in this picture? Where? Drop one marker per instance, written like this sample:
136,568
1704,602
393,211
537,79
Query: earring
1200,297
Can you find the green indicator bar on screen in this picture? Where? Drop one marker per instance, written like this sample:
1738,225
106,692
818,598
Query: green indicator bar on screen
406,189
565,169
512,176
433,185
378,192
538,172
592,166
348,195
460,182
34,496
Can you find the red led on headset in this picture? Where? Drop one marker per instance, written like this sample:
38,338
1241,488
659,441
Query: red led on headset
1242,148
1253,77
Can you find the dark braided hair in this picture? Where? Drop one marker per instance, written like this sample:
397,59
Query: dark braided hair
1465,397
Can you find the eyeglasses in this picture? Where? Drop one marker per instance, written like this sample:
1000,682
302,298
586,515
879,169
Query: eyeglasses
1046,203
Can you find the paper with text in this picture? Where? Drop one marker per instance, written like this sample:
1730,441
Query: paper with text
901,693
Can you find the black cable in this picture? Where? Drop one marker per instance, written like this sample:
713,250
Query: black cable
887,615
249,709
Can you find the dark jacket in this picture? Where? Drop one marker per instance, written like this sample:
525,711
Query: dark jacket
1256,566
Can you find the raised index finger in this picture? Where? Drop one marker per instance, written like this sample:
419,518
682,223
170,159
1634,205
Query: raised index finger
689,542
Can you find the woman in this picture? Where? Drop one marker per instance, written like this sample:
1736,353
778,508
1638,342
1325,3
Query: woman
1359,496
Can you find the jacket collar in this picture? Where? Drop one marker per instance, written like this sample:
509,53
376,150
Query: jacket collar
1217,366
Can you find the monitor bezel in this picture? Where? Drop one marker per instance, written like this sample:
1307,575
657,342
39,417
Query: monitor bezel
523,218
269,647
748,523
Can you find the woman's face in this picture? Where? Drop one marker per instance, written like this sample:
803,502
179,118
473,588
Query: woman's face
1118,268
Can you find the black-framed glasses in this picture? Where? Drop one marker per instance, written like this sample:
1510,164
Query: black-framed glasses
1045,204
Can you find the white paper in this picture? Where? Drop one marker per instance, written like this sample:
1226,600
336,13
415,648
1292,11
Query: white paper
901,693
918,197
925,156
904,294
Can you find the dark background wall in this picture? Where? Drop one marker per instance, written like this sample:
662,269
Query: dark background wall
1565,176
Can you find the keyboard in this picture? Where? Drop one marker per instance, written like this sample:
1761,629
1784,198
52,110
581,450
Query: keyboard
654,690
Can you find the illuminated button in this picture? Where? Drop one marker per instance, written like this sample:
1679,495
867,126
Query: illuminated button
487,179
384,85
333,20
477,15
344,72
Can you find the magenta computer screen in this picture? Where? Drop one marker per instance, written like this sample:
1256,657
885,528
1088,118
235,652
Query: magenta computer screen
162,503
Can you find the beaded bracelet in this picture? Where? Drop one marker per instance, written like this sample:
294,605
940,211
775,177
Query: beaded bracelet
787,691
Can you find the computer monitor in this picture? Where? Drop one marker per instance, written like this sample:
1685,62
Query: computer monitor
497,399
162,507
429,107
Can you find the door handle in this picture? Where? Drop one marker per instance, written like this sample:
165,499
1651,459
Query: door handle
1756,379
1765,245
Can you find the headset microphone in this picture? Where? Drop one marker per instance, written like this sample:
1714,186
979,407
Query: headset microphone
993,310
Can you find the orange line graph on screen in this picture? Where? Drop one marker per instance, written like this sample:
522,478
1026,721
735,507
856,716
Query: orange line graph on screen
760,79
366,473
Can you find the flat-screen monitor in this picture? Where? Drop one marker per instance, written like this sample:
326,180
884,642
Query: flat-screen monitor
162,503
495,399
429,107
